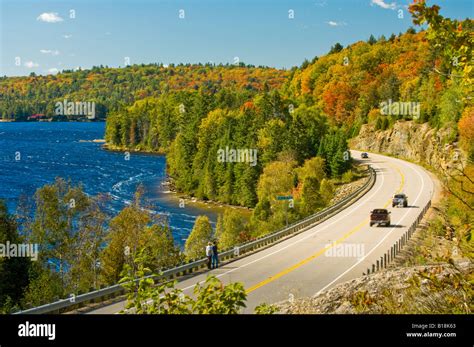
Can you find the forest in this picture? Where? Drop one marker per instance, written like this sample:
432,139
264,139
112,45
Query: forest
113,88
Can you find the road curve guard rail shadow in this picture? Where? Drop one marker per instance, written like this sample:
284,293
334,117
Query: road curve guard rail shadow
100,295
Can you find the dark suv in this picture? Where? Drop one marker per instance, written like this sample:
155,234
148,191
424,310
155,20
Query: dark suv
364,155
380,216
400,200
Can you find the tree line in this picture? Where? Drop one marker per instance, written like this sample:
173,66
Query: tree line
113,88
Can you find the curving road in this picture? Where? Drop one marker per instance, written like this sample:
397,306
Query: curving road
337,250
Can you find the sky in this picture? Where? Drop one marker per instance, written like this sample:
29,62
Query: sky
48,36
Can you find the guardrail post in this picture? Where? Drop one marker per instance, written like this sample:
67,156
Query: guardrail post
377,265
373,268
385,259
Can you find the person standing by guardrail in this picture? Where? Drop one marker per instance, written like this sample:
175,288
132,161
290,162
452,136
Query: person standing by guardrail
209,254
215,256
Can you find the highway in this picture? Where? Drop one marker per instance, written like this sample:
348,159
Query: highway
337,250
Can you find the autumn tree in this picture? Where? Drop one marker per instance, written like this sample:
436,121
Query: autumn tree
197,241
230,229
135,230
466,131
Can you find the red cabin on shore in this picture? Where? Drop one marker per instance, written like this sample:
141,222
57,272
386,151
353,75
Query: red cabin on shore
37,116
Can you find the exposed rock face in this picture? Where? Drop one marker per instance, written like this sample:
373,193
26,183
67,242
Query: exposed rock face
409,140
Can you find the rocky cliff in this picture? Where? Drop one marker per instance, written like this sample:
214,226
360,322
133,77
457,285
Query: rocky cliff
416,142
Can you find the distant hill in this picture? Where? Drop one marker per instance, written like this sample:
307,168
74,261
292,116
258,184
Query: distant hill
111,88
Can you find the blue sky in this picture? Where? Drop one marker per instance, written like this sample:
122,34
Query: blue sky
40,36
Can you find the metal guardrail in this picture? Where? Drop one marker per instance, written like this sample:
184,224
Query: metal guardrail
396,248
75,302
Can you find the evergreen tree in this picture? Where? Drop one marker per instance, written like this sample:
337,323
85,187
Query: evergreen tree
372,40
13,271
336,48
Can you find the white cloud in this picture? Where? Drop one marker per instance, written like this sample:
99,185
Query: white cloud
381,3
67,36
49,17
336,24
53,71
30,64
49,51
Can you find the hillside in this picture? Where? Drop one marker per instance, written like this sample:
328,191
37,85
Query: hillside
110,88
379,82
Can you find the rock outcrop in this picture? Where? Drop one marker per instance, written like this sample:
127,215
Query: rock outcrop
409,140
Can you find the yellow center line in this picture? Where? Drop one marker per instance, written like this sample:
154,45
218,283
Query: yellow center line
322,251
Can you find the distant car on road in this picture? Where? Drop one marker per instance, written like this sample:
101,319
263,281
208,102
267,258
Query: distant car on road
400,200
364,155
380,216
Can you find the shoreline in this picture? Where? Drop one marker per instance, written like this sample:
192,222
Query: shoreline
113,148
342,189
187,199
172,193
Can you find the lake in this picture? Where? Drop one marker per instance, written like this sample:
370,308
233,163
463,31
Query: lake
34,154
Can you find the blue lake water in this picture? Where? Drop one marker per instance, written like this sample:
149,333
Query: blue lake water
34,154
